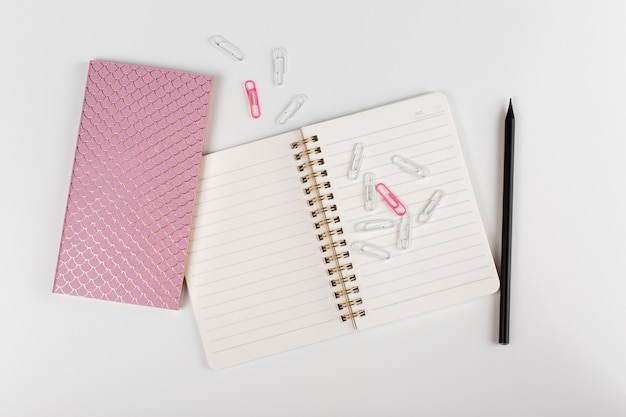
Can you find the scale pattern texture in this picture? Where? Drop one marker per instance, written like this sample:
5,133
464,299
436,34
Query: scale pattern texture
133,185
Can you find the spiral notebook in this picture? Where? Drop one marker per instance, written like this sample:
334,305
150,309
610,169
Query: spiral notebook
133,187
290,246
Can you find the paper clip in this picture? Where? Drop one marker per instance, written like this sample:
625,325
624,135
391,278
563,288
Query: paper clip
291,109
405,232
253,99
280,66
369,183
411,167
433,203
391,200
371,249
357,159
376,224
228,47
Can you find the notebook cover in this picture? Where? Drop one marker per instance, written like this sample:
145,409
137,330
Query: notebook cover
133,186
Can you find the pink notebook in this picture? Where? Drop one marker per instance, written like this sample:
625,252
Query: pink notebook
133,185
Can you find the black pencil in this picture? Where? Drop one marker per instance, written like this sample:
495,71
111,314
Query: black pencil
507,227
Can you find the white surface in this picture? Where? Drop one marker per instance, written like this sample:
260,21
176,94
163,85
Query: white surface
562,62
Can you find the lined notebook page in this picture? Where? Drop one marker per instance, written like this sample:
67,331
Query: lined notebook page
255,273
449,260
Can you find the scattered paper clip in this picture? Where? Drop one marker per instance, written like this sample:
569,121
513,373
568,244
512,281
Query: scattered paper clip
369,185
228,47
376,224
280,66
410,166
253,99
291,109
392,201
405,232
371,249
357,160
431,206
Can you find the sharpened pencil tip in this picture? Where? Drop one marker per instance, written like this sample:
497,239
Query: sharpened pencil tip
509,113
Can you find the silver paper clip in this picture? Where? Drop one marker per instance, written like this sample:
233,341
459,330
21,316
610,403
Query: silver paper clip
253,99
410,166
357,159
405,232
431,207
291,109
369,185
376,224
390,198
280,66
371,249
228,47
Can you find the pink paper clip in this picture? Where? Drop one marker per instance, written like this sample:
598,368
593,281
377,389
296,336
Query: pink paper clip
253,99
391,200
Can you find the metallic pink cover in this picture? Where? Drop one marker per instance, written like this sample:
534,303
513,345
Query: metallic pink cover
133,185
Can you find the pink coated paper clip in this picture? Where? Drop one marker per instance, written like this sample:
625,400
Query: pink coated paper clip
253,99
391,200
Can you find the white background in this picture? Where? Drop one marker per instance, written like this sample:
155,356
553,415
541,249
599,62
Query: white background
562,62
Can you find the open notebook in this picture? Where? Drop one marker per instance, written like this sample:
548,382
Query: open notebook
277,258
